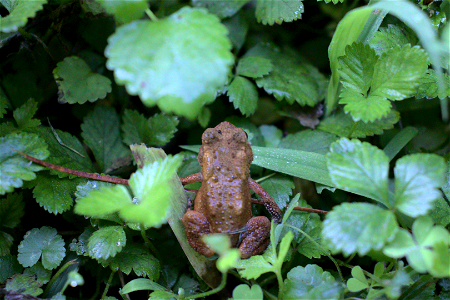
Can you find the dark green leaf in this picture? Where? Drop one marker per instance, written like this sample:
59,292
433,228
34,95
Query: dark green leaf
310,282
392,36
13,167
244,95
254,66
399,141
280,188
24,115
223,9
41,274
355,228
77,83
185,81
24,284
106,242
343,125
428,87
6,241
309,140
8,266
141,284
43,242
11,210
100,131
269,12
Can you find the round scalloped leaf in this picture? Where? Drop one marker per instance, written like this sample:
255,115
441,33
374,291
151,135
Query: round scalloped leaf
14,168
43,242
356,227
19,14
177,63
77,83
124,10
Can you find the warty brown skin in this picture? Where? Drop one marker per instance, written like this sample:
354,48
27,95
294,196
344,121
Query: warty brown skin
223,203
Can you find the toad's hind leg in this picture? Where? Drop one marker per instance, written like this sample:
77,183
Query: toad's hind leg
196,225
256,238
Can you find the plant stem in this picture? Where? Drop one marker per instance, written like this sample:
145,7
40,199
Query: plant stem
57,274
149,244
213,291
108,284
151,15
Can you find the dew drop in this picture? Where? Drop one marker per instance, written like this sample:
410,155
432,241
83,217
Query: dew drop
73,283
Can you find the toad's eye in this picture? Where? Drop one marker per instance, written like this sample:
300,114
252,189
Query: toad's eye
219,131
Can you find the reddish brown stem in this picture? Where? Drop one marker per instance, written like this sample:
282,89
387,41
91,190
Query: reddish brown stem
75,172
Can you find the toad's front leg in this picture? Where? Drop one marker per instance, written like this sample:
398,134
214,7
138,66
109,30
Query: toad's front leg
256,238
196,225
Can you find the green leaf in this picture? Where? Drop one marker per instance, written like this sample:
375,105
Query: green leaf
55,194
11,210
243,292
254,66
72,155
100,131
291,78
392,36
244,95
356,166
41,274
398,71
19,14
310,282
159,61
309,140
343,125
355,227
77,83
43,242
24,115
366,108
106,242
357,66
417,180
24,284
399,141
157,130
3,103
280,188
106,200
272,135
428,85
358,282
141,284
269,12
223,9
9,266
150,186
137,258
13,167
6,241
255,266
440,212
124,11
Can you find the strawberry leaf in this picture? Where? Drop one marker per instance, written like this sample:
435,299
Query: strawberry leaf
106,242
244,95
269,12
19,14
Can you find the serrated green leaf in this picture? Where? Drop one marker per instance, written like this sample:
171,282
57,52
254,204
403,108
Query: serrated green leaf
291,78
417,179
244,95
243,292
13,167
24,115
356,166
343,125
356,67
223,9
428,85
77,83
65,156
310,282
392,36
106,242
100,131
151,188
157,130
355,228
124,11
255,266
6,241
269,12
39,272
254,66
55,194
43,242
397,72
106,200
440,212
24,284
280,188
19,14
137,258
80,245
159,61
308,140
11,210
367,109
